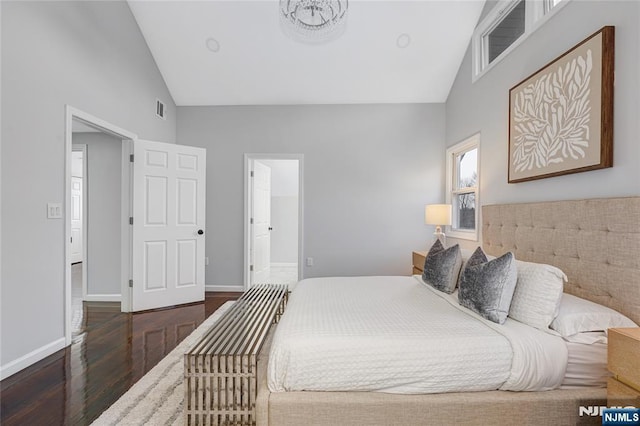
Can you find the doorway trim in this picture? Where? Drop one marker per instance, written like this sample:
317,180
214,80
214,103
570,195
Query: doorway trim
83,149
248,158
72,113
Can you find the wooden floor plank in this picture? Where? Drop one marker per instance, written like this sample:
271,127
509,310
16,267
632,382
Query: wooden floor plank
76,384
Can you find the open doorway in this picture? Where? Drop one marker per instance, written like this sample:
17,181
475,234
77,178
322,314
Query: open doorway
96,215
273,210
96,228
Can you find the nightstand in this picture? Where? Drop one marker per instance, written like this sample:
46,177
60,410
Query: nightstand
418,262
623,389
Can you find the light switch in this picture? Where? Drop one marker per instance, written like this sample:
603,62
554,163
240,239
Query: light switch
54,211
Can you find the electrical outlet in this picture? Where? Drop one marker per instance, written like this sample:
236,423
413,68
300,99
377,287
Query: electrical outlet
309,261
206,260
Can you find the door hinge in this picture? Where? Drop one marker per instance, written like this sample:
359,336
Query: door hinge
131,283
72,239
131,221
131,158
251,268
251,221
251,173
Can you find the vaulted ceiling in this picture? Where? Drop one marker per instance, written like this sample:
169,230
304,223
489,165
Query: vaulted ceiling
235,52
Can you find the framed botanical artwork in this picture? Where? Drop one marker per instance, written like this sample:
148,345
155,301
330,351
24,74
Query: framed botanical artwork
561,117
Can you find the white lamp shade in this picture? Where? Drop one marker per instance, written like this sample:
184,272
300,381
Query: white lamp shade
437,214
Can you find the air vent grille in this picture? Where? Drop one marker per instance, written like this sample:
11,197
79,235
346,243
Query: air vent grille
160,110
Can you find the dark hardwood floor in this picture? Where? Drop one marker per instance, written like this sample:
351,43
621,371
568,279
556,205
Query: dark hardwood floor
113,351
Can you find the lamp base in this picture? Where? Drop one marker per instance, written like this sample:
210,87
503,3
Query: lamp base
439,235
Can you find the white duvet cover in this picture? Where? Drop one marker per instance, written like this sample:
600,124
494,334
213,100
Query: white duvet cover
399,335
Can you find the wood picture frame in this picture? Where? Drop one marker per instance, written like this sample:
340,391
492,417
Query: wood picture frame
561,116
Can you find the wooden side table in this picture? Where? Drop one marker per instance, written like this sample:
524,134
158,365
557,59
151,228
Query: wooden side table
623,389
418,262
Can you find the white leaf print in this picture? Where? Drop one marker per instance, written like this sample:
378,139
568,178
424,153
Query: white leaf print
551,116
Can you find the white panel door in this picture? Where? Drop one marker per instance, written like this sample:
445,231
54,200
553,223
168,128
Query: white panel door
168,240
261,228
76,219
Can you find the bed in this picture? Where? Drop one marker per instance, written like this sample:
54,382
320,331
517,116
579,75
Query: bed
595,242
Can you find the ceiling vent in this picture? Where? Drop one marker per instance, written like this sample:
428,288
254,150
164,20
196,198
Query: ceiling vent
160,110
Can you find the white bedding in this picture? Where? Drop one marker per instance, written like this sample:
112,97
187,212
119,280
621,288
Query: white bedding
398,335
587,364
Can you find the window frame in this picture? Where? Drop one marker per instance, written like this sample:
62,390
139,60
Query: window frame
452,189
537,12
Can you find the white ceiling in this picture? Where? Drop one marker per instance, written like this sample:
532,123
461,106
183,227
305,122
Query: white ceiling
256,64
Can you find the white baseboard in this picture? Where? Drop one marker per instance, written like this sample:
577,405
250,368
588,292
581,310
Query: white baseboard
32,357
103,298
223,288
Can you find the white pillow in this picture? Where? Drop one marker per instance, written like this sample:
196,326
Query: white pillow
537,296
578,315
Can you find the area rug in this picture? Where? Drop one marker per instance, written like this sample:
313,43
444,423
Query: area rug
157,398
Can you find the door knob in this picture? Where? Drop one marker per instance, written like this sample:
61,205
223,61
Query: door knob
200,232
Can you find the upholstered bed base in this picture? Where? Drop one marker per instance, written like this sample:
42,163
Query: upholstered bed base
487,408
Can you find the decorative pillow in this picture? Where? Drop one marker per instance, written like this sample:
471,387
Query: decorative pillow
467,253
537,296
486,287
578,315
442,267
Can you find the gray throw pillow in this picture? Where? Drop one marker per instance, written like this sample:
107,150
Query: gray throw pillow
486,287
442,267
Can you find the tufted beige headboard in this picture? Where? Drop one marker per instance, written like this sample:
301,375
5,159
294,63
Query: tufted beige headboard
595,242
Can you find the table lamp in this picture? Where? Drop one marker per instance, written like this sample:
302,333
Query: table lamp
439,215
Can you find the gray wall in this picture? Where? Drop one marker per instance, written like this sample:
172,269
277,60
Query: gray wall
368,172
103,216
483,106
92,56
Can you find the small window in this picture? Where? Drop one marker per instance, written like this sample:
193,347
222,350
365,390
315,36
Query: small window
508,30
462,187
508,23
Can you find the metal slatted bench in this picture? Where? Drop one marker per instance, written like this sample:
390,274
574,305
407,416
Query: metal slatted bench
220,370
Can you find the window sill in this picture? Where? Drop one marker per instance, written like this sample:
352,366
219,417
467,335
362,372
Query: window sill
462,235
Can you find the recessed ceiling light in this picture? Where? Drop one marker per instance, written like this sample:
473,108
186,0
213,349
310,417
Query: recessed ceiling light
403,40
213,45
